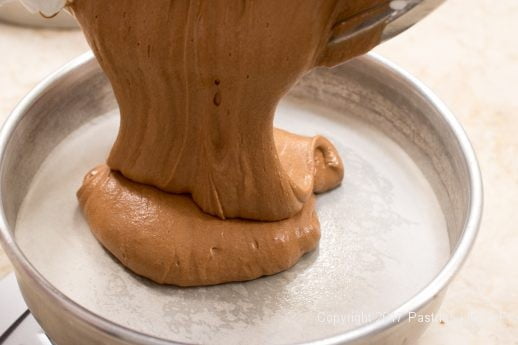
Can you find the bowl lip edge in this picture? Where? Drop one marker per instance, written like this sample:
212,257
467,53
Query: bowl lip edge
400,314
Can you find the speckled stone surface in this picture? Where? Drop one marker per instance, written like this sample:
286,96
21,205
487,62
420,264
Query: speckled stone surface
467,52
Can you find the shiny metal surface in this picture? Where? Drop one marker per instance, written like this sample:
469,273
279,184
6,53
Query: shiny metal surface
399,16
373,89
17,325
407,13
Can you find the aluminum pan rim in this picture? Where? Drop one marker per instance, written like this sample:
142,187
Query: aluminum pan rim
401,314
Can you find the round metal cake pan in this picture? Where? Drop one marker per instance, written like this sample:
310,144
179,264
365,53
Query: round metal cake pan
390,100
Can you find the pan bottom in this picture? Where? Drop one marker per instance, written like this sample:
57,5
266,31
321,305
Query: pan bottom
384,238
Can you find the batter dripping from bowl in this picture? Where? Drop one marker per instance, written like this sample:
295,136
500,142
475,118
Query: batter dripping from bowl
199,188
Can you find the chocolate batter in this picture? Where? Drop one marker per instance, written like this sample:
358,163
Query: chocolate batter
197,83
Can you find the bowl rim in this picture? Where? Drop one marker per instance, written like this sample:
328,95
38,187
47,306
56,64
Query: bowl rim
397,316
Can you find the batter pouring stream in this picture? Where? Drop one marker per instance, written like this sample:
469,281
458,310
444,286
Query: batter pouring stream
199,188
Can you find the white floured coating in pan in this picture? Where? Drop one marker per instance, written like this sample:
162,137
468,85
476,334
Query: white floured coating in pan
46,7
384,237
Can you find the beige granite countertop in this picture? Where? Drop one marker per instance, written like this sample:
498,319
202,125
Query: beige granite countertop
467,52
